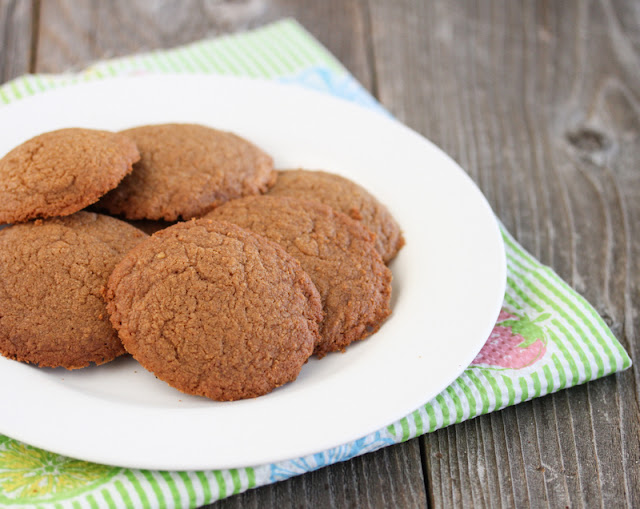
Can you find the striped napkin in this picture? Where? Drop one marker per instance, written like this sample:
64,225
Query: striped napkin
547,336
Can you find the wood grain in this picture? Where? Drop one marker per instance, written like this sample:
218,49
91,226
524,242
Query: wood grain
16,18
391,477
77,32
539,102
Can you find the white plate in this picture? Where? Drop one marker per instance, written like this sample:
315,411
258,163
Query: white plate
449,282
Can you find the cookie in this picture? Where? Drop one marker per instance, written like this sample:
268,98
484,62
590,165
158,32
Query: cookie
214,310
118,235
345,196
186,170
60,172
336,251
52,274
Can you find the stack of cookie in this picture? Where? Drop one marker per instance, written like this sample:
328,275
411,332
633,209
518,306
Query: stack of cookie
230,302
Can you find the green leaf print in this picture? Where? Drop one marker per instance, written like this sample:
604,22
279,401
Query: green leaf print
28,474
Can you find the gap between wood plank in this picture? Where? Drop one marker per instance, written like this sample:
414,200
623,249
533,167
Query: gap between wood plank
425,471
35,30
370,51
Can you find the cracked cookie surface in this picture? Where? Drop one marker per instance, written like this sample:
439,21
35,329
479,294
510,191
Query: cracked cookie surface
336,251
186,170
215,310
52,274
61,172
345,196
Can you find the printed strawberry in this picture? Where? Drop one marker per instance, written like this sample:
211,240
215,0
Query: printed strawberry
515,342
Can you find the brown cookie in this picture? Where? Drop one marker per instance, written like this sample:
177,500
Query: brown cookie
345,196
337,252
118,235
60,172
215,310
52,274
186,170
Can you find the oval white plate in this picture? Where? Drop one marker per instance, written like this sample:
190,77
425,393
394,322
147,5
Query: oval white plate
448,286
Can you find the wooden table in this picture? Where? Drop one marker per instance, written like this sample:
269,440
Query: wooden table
540,103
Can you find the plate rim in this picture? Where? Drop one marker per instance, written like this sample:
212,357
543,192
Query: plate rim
344,104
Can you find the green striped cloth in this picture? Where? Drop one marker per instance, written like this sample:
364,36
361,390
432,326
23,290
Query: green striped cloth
547,337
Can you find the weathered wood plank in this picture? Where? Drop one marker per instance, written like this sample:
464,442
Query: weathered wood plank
539,101
342,26
391,477
15,38
77,32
